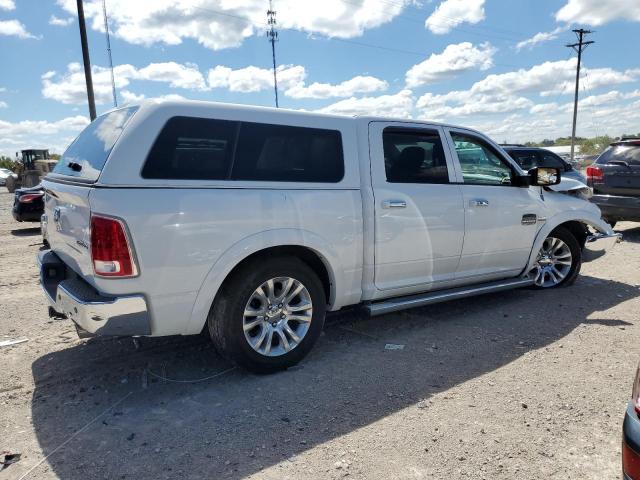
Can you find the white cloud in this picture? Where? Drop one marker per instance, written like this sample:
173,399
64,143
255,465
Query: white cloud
291,80
398,105
254,79
358,84
454,60
7,5
598,12
3,104
54,135
60,22
218,24
464,103
451,13
552,78
539,38
126,97
14,28
70,87
177,75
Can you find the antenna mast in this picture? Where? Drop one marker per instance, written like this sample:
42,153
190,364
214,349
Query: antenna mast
272,36
106,29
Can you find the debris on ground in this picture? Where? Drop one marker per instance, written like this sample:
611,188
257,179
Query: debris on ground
12,341
393,346
9,459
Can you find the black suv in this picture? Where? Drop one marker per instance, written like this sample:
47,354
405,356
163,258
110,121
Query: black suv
615,179
530,157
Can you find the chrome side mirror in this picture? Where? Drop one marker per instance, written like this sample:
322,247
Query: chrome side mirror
544,176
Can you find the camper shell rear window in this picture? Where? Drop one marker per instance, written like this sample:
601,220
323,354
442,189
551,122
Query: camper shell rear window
86,156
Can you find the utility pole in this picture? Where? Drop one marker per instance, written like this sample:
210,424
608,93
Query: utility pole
86,61
106,29
578,47
272,35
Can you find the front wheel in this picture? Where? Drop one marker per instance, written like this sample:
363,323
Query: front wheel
559,260
268,315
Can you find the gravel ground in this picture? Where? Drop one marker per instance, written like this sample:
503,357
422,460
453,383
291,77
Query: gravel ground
521,384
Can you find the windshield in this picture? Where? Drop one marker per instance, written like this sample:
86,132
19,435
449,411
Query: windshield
88,153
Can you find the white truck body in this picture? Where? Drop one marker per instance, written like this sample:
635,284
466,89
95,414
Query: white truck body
376,239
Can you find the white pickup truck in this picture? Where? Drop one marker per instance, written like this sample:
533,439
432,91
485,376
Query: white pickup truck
171,218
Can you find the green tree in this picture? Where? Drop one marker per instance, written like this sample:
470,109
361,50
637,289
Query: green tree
6,162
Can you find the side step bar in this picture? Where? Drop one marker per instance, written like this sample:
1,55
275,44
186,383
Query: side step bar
411,301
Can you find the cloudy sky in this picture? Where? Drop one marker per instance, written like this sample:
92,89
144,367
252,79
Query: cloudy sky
497,65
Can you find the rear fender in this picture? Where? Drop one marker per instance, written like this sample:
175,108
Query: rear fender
255,243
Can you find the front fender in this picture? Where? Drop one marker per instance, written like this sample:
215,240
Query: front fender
255,243
587,217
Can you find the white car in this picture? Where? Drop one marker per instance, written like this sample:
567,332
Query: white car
4,174
170,218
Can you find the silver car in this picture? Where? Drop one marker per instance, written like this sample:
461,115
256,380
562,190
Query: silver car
4,174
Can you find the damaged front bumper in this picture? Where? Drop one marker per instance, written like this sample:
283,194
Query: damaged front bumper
598,244
97,314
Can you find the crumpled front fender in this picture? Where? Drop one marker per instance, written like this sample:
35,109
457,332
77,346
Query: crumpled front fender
588,217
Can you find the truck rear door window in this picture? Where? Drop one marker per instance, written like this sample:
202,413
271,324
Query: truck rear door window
86,156
208,149
414,156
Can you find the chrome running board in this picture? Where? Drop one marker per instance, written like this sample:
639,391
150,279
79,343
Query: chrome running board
420,300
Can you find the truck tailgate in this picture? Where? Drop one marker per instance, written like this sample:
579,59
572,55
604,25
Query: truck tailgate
68,220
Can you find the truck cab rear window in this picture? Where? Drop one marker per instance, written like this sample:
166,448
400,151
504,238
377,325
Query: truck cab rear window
86,156
207,149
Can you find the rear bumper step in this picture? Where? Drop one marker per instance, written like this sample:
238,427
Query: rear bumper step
71,296
402,303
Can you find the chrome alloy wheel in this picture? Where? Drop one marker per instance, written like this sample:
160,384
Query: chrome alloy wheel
277,316
553,263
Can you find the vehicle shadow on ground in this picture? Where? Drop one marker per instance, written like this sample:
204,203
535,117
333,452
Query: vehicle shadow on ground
26,232
134,424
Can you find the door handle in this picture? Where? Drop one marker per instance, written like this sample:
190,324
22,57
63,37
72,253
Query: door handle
479,202
394,204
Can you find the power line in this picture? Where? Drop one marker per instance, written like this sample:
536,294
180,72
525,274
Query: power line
106,30
579,48
272,35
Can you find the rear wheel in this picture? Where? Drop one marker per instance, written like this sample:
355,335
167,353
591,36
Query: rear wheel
268,315
559,260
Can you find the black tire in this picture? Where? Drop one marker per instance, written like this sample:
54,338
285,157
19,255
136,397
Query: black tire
576,258
225,319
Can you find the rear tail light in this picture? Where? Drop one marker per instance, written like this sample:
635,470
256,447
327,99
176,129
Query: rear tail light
635,394
111,251
595,174
30,197
630,462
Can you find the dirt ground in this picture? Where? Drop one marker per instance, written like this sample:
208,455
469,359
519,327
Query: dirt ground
522,384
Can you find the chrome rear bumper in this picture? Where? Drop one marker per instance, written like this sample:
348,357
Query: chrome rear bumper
93,312
598,244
